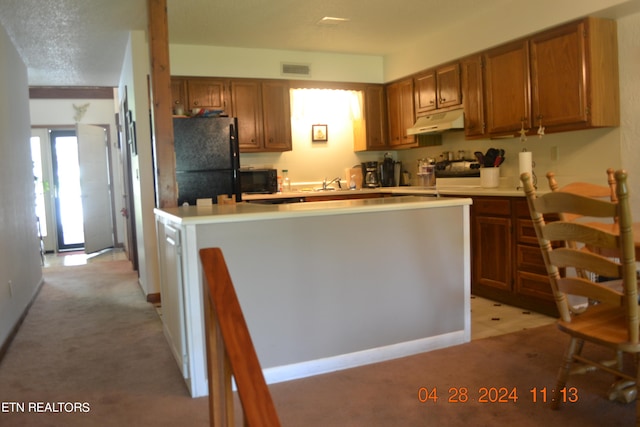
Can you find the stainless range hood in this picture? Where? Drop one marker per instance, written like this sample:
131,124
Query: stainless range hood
438,122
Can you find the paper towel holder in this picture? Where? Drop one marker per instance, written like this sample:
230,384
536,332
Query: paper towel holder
534,178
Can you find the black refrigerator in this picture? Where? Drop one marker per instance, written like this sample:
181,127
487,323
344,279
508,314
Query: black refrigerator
207,158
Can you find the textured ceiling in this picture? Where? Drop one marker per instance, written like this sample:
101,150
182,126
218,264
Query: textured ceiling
82,42
72,42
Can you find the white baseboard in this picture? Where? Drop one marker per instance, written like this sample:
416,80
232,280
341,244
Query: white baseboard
360,358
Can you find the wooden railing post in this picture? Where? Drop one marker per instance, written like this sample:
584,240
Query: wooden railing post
218,370
230,351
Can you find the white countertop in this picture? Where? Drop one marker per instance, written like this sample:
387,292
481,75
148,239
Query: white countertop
444,186
252,211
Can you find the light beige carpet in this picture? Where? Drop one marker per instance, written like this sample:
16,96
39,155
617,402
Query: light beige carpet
91,337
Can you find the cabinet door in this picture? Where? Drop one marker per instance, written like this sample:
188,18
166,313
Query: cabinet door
425,92
492,249
507,88
401,113
178,94
276,113
393,110
559,75
448,86
246,106
407,111
206,93
171,288
472,96
492,243
375,117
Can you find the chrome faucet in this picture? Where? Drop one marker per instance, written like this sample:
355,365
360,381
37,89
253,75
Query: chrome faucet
326,184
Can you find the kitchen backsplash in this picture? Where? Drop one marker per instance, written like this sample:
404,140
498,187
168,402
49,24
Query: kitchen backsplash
580,155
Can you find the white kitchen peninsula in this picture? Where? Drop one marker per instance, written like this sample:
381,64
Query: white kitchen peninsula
323,285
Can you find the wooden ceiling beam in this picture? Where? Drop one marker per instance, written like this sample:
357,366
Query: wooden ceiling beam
160,88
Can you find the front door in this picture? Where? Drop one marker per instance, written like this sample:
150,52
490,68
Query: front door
95,187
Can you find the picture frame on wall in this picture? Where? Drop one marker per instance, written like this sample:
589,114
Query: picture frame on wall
319,133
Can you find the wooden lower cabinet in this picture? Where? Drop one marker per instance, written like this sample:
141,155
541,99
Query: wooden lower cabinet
507,264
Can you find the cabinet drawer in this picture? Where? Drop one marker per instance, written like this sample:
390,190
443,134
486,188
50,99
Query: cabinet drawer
521,208
525,233
533,285
491,206
529,258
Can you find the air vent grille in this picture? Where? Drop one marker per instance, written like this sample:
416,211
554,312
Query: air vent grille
296,70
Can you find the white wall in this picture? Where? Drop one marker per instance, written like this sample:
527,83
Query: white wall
629,46
134,77
19,248
188,60
60,112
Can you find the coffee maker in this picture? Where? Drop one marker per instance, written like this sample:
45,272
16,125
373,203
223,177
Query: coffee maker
370,178
387,171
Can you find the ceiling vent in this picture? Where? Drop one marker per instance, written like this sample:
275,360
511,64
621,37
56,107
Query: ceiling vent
298,70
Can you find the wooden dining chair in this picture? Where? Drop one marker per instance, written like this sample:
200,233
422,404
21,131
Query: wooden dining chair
595,191
585,189
613,322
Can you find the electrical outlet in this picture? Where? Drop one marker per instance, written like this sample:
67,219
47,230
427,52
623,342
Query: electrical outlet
10,283
555,153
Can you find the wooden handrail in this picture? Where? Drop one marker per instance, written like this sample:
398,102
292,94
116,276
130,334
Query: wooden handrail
230,351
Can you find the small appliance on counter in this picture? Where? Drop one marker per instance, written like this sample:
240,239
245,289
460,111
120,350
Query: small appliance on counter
387,171
457,169
426,172
259,181
370,178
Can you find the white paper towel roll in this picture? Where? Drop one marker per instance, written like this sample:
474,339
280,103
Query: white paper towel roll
526,163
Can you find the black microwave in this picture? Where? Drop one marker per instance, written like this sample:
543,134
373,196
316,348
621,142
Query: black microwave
259,181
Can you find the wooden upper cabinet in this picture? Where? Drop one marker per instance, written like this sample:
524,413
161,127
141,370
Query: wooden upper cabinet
574,72
559,92
507,92
247,107
438,88
393,113
401,113
370,131
263,112
376,117
206,93
276,113
448,86
473,99
425,92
